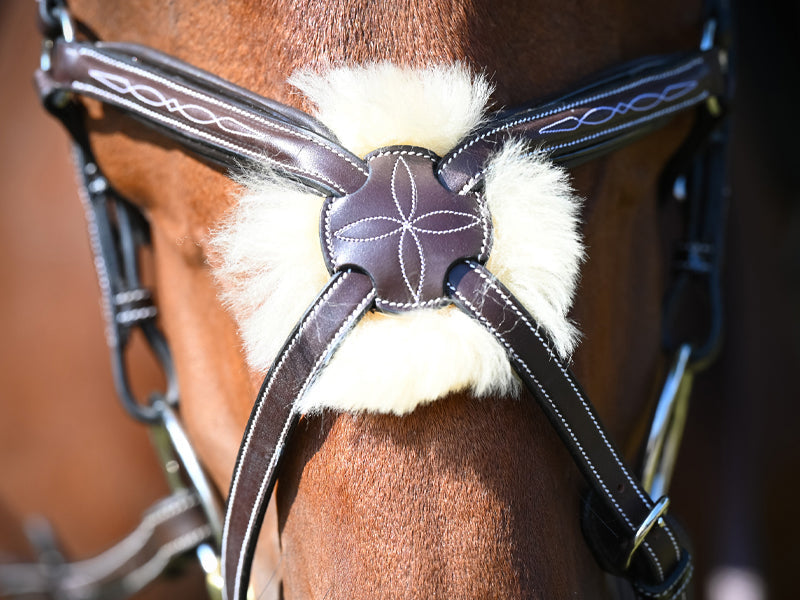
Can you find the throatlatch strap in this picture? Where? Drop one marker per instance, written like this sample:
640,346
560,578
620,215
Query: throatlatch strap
345,299
661,567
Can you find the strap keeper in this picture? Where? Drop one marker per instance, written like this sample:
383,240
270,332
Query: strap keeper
133,306
673,585
655,516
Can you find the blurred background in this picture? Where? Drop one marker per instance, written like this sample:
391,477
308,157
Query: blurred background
67,449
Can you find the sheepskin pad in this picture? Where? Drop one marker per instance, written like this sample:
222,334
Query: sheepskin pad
270,266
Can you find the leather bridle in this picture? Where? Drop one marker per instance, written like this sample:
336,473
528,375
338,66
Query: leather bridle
625,522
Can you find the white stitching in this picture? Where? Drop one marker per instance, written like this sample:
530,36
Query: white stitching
246,444
545,148
211,100
156,116
669,94
430,156
674,543
574,104
670,109
564,422
686,581
648,503
273,459
338,234
477,270
129,296
123,85
426,304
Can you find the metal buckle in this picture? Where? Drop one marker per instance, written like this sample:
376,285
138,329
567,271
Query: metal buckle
666,430
176,453
655,517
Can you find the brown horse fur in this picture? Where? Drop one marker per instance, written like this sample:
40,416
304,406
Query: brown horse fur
459,499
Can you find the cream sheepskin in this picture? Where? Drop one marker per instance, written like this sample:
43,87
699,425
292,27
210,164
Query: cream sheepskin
270,267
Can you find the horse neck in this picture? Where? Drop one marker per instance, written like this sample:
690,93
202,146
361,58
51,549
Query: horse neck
380,506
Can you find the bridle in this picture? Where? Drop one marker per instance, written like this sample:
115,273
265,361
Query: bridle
630,534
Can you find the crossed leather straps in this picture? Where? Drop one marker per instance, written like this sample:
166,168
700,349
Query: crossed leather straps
374,229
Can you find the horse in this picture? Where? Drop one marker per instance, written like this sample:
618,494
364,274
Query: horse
345,515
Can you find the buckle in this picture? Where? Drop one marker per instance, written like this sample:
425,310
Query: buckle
655,516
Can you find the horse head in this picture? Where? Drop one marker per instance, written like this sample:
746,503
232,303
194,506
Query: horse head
416,462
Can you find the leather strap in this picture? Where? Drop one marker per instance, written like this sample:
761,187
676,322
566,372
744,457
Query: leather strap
346,298
227,124
595,120
214,118
172,527
661,568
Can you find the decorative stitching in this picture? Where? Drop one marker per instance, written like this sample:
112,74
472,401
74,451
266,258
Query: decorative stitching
407,225
425,154
680,69
282,440
426,304
158,100
194,93
668,94
693,100
544,149
260,404
478,270
554,407
222,141
674,543
328,235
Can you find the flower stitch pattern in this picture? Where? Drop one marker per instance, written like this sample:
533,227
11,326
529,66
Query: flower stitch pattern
405,229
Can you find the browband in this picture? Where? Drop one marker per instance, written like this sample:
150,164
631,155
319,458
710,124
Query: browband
630,534
228,125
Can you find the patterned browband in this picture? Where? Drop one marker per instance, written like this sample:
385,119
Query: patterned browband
630,534
227,124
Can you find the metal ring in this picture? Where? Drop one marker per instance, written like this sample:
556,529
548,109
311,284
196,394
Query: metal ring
709,35
187,458
67,25
666,429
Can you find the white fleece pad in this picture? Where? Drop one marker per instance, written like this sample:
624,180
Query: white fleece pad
269,263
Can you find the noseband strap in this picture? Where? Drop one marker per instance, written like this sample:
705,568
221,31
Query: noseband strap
630,534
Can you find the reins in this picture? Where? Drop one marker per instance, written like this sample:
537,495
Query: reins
625,520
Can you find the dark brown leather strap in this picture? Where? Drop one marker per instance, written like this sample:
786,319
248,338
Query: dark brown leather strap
595,120
169,529
336,310
661,567
214,118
